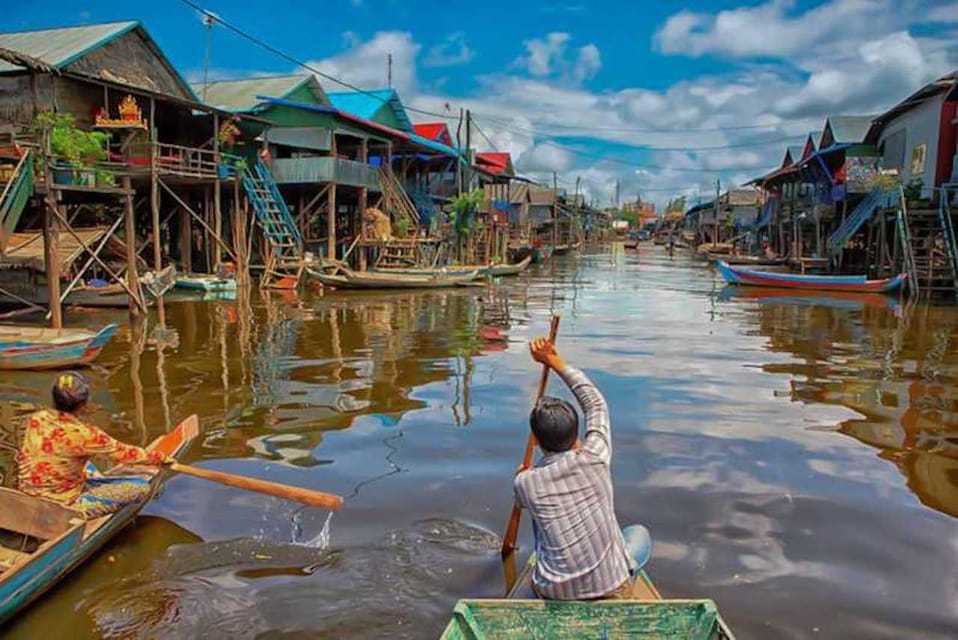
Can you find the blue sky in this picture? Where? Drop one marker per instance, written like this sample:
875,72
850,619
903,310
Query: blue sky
640,92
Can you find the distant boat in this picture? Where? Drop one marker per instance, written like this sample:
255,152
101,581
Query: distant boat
751,277
41,348
205,282
347,279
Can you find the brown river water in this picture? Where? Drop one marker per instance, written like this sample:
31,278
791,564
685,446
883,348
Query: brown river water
796,458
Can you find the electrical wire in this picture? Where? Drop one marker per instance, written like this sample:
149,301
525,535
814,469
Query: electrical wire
299,63
517,129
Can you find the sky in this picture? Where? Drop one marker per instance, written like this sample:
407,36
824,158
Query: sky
664,98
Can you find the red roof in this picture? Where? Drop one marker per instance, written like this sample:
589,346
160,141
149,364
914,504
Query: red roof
435,131
495,163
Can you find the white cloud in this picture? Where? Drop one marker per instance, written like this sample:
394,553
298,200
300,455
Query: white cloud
364,64
789,77
451,51
549,57
771,29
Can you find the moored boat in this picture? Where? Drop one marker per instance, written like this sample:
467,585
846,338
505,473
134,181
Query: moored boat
55,539
645,615
347,279
42,348
751,277
493,270
205,282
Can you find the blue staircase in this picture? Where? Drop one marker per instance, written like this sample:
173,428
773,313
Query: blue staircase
861,214
14,194
946,219
285,242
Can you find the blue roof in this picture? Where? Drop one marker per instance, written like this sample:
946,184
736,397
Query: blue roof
366,104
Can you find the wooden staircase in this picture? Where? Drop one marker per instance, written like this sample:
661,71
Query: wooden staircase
396,202
934,269
15,190
284,259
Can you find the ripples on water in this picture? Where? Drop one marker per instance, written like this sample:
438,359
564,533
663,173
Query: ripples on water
796,457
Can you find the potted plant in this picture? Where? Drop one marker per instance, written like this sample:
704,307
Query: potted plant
74,148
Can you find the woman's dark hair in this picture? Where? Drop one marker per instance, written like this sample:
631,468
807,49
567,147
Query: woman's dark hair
555,424
70,391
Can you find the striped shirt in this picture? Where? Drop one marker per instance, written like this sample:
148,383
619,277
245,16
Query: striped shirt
580,551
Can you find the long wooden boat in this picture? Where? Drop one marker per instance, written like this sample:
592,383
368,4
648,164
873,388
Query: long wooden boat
54,539
751,277
41,348
205,282
347,279
481,271
645,615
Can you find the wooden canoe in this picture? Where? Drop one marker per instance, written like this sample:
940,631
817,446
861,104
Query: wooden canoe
41,348
493,270
205,282
347,279
647,615
56,539
751,277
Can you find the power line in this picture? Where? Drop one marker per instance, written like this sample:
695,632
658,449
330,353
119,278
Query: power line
299,63
518,129
660,129
485,137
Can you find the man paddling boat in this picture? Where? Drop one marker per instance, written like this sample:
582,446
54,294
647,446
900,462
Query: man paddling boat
581,553
54,458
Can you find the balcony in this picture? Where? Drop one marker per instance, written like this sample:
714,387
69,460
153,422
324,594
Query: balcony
328,169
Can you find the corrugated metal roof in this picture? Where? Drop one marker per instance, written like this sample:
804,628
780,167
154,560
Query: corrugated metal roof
366,104
60,47
241,95
846,129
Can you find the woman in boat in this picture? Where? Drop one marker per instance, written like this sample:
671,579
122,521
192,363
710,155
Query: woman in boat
54,458
581,553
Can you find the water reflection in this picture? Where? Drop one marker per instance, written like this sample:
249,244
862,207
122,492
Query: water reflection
789,453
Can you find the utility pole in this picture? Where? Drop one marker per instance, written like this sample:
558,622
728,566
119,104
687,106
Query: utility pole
715,210
208,23
468,181
459,160
389,70
555,210
578,213
616,202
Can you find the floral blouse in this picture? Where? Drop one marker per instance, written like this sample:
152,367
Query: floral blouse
56,446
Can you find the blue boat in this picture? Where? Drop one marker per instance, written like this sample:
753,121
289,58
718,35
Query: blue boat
41,348
54,539
205,282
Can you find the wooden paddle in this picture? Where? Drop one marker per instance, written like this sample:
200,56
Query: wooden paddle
297,494
512,529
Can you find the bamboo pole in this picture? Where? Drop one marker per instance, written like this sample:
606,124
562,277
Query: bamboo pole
129,223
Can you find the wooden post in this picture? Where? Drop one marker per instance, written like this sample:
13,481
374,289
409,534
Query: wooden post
331,222
239,238
155,213
129,224
217,194
186,240
51,239
363,200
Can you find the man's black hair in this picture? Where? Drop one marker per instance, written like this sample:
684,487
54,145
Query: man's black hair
555,424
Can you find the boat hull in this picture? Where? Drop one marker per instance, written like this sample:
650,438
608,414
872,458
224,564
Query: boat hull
860,284
54,560
373,281
71,348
